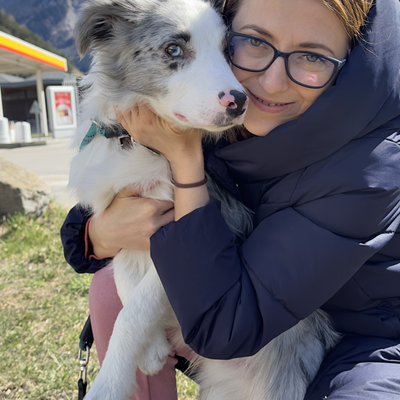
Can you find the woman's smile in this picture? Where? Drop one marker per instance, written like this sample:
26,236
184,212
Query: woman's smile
269,106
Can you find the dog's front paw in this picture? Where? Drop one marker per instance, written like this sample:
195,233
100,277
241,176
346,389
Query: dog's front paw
155,355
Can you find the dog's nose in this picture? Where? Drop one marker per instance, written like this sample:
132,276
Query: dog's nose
234,101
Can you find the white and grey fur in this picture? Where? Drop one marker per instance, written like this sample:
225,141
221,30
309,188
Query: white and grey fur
129,39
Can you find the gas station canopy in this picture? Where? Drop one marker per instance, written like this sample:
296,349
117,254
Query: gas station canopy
20,57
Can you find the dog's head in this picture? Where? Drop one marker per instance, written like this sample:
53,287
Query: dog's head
169,53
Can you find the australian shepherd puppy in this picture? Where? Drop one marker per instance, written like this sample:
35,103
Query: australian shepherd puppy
170,55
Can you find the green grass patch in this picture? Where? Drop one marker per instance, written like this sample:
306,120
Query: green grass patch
43,306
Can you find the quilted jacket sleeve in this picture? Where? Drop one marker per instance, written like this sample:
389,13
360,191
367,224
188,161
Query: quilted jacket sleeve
231,301
73,240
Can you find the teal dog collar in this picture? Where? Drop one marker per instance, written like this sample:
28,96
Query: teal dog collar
94,129
117,132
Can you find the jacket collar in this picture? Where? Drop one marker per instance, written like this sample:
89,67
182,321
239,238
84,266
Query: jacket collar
366,95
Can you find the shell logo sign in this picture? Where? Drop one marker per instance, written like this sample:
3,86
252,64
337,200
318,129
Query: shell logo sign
22,48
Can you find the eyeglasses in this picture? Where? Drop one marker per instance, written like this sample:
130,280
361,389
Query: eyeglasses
305,68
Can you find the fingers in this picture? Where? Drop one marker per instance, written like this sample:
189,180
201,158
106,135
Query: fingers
130,191
148,105
155,208
125,117
165,206
149,129
137,120
143,111
168,217
120,115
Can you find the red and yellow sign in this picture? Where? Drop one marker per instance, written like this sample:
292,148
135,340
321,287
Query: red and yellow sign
25,49
63,107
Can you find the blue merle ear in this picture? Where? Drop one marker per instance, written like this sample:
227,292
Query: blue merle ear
95,23
219,5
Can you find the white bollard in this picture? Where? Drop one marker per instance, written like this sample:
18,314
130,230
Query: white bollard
18,132
23,132
4,131
26,132
12,131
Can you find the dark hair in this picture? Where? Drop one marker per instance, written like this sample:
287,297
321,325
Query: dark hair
230,10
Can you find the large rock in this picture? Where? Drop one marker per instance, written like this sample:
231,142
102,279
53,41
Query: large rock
21,190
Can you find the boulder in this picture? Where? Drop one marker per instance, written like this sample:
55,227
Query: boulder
21,190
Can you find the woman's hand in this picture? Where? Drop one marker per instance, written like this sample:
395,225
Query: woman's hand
147,128
128,223
182,148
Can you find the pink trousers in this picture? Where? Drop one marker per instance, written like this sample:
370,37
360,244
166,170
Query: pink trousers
104,305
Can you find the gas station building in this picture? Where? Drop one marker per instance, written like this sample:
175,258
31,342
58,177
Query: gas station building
20,57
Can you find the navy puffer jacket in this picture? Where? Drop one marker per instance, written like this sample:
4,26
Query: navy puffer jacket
326,194
325,189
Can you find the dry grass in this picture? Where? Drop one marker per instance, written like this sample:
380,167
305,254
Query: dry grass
43,306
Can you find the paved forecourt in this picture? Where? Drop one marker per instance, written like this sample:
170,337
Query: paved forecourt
51,162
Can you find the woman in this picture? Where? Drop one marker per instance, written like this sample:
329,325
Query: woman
319,163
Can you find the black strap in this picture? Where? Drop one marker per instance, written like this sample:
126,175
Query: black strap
86,337
81,389
85,343
184,366
113,131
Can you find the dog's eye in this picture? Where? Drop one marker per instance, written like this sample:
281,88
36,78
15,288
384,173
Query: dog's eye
174,51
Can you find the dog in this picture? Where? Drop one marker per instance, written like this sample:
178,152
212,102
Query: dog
170,55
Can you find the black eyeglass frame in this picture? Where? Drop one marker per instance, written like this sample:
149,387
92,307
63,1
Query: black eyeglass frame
338,65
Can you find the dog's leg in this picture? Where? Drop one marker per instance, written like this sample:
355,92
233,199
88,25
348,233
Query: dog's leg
294,358
144,312
223,380
281,370
155,355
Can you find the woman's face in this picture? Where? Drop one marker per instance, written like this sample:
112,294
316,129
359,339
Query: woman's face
289,25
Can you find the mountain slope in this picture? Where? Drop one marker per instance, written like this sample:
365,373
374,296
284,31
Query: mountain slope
8,25
52,20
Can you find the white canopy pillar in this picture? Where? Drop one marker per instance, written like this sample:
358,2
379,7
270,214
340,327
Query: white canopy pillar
42,103
1,105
